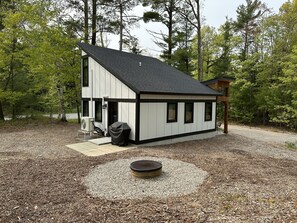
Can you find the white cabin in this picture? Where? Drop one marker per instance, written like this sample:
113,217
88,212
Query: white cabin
157,101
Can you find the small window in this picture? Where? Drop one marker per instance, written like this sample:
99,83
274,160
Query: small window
85,70
189,112
98,111
226,93
85,108
171,112
208,111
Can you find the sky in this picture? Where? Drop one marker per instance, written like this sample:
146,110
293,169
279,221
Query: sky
214,13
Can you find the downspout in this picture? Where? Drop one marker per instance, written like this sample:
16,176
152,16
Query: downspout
137,119
92,81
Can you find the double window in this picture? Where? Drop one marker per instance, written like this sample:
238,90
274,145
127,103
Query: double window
208,111
189,112
85,72
171,112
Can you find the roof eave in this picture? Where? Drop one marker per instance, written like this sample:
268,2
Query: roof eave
188,94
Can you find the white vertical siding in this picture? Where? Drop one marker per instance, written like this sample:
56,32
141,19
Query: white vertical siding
127,114
161,118
209,124
105,84
153,120
200,116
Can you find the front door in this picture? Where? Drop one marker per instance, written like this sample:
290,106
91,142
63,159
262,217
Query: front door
112,112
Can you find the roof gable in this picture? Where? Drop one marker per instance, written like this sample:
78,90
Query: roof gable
146,74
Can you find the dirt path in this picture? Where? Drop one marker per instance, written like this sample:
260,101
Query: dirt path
263,135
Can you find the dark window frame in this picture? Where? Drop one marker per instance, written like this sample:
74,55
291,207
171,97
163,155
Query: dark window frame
176,108
85,72
98,103
87,111
192,116
205,111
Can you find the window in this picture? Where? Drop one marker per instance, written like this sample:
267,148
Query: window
98,111
189,112
171,112
85,72
85,108
208,111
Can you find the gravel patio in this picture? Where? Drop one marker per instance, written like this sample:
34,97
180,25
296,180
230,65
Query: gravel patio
247,180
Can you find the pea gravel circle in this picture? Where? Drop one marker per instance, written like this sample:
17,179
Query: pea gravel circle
114,181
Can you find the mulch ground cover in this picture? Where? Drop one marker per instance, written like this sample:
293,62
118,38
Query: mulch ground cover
241,187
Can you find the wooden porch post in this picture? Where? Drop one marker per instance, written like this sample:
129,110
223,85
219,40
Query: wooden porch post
226,117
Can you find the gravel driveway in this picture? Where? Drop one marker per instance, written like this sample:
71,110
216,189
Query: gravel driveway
263,135
267,143
41,180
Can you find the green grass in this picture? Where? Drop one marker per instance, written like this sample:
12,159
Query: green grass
32,121
292,146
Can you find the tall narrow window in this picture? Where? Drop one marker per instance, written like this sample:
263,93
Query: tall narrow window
98,111
85,72
171,112
208,111
85,108
189,112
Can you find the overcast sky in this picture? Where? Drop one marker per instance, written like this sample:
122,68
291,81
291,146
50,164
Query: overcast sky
214,13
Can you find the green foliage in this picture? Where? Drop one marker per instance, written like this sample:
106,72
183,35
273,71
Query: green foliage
166,12
37,58
151,16
248,19
40,69
292,146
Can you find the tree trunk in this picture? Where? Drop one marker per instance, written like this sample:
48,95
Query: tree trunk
78,111
11,70
199,44
94,20
62,105
187,48
86,21
121,25
101,39
170,32
246,47
1,112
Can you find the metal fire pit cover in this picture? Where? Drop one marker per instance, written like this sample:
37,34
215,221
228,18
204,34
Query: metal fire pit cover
146,168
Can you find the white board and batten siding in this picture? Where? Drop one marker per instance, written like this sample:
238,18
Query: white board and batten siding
126,113
104,84
153,120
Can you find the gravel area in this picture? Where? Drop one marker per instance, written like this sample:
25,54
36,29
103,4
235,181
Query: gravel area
259,134
46,141
178,178
41,180
273,151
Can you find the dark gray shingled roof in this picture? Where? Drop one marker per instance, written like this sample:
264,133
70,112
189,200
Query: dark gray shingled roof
146,74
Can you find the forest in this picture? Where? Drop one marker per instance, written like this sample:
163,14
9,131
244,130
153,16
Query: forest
40,61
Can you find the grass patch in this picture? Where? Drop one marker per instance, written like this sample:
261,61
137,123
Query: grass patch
36,120
72,121
21,123
292,146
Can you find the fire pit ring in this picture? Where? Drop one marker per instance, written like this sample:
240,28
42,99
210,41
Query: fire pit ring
146,168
